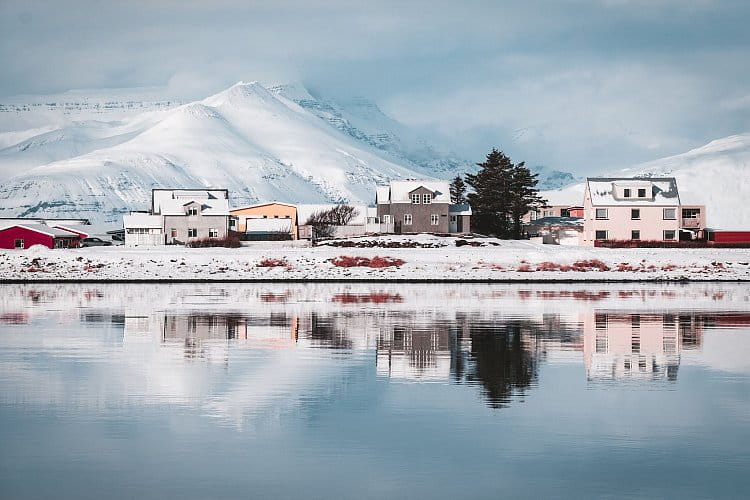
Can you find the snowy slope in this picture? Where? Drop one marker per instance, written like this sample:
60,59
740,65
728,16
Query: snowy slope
259,145
716,175
363,120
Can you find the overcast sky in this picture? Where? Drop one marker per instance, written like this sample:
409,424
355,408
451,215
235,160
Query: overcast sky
578,85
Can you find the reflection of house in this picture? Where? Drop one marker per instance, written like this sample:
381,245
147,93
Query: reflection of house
266,221
421,206
416,353
620,208
637,346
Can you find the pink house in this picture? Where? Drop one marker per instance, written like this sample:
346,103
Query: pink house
625,208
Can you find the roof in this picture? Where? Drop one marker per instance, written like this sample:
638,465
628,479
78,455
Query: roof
262,205
663,191
305,211
459,209
44,229
12,221
557,221
399,191
208,207
160,196
142,220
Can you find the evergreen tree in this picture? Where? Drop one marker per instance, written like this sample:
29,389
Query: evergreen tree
490,200
503,193
524,196
458,191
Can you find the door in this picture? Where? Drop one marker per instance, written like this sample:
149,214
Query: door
453,225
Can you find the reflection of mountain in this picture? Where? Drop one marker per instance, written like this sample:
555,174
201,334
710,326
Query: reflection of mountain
639,346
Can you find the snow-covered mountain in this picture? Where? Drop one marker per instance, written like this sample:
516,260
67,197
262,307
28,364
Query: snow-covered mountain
362,119
716,175
258,144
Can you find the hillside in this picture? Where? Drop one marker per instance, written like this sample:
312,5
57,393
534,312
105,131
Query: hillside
259,145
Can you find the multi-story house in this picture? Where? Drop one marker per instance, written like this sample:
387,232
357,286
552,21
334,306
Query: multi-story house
421,206
624,208
192,214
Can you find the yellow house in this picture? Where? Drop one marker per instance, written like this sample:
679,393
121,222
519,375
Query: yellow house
266,218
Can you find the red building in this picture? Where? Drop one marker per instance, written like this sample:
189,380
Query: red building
22,236
728,236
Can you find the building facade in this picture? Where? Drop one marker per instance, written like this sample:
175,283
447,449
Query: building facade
638,209
23,236
421,206
192,214
266,219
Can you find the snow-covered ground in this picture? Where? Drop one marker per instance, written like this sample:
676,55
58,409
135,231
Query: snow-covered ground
494,260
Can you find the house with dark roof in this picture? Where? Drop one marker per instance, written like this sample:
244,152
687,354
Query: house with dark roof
638,208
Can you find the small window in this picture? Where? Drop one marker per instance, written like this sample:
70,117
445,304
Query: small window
426,198
635,235
265,217
415,199
192,232
669,235
626,193
454,218
232,223
635,213
213,233
287,217
670,214
434,219
173,232
564,212
18,244
193,211
407,219
601,235
691,213
275,216
386,219
641,192
601,213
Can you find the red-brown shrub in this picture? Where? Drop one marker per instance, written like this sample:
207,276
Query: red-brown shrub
273,263
375,262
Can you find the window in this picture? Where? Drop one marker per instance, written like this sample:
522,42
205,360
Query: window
386,219
213,233
18,244
275,216
600,321
549,213
192,232
415,198
192,210
454,218
434,219
601,235
564,212
427,198
691,213
635,213
407,219
626,193
533,215
601,213
232,223
173,232
641,192
635,235
669,235
670,214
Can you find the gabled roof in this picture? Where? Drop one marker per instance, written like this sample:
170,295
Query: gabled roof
140,220
208,207
398,191
663,191
257,205
45,229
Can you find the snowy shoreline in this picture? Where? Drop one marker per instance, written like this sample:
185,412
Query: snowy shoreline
496,261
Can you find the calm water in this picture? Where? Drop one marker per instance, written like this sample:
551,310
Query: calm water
372,391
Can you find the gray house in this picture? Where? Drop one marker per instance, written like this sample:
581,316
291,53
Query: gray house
192,214
421,206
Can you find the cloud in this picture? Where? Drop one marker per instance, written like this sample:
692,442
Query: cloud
574,84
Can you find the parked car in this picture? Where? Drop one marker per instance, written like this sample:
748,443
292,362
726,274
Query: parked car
95,242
